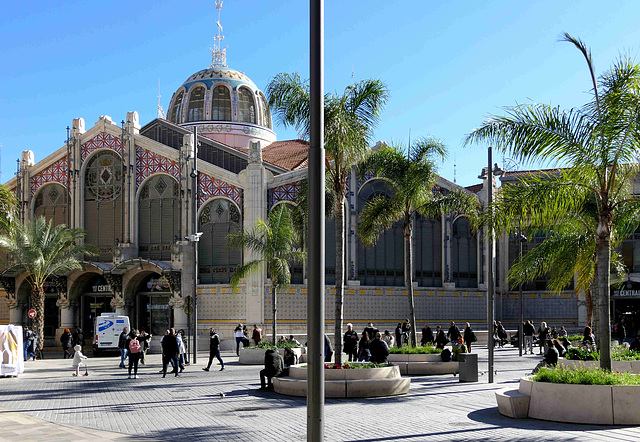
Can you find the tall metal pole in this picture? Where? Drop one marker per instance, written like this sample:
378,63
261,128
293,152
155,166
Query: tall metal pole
490,287
520,325
194,175
316,258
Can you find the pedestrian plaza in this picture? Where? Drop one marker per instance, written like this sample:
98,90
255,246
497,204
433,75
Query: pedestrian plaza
47,403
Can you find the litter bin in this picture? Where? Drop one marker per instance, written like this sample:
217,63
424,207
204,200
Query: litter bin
468,366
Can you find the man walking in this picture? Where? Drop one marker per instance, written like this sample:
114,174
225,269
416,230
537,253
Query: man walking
122,345
214,349
170,352
528,330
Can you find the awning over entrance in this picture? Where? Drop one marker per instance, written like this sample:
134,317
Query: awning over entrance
630,289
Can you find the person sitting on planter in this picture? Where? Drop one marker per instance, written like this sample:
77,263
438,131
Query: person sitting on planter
458,348
293,340
550,358
561,350
562,333
388,338
441,339
566,344
290,358
589,340
273,366
379,350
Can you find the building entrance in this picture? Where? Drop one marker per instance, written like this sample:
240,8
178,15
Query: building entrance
96,299
154,314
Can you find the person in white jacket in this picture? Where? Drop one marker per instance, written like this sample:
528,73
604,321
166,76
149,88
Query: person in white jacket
79,361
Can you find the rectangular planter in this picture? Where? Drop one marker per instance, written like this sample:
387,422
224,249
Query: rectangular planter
584,404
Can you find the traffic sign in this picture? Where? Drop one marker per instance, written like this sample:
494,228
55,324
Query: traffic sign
188,309
188,300
32,313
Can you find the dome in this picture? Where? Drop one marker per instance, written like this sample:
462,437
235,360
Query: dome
223,104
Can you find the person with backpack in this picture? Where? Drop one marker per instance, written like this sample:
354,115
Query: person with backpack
135,350
469,336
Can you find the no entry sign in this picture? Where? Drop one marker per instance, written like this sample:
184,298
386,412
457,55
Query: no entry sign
32,313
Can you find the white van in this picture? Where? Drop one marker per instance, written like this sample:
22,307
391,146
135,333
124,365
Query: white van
108,328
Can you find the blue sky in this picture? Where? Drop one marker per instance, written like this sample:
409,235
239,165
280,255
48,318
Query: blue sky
448,65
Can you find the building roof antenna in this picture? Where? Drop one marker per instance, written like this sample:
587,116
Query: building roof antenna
218,55
161,113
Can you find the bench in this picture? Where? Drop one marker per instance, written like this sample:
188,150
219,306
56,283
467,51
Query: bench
512,403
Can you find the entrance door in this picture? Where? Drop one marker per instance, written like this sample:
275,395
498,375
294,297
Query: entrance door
50,317
154,313
92,307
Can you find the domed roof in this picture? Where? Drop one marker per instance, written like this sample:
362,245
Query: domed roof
215,74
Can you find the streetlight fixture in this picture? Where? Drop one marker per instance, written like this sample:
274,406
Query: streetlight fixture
521,240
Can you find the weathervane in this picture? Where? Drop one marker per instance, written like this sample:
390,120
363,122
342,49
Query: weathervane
218,56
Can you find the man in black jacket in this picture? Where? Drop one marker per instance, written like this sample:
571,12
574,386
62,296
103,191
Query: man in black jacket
214,349
454,333
350,340
170,352
379,350
122,345
528,330
273,366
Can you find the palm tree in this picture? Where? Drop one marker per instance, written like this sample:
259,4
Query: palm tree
600,143
349,120
412,179
44,250
276,240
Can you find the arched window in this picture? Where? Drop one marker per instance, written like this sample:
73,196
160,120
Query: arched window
382,263
51,202
103,203
216,263
427,246
196,104
174,115
464,255
221,104
159,217
246,106
266,113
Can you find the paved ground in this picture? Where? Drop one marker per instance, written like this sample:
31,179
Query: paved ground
47,403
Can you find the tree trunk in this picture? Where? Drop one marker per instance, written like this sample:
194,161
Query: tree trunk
275,311
37,302
408,277
604,326
339,280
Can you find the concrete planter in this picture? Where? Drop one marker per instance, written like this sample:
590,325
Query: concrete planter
365,382
423,364
255,356
621,366
584,404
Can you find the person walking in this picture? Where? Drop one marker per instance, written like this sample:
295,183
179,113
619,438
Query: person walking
468,336
350,343
67,342
441,339
214,349
181,351
170,352
29,348
454,333
239,335
543,335
78,337
134,349
406,333
528,330
144,339
328,348
122,345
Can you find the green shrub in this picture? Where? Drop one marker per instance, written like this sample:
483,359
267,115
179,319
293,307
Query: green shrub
353,365
427,350
267,345
621,353
581,354
585,376
575,338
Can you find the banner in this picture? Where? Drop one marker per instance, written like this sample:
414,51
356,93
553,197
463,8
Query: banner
12,350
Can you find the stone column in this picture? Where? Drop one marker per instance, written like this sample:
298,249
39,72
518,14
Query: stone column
66,314
15,308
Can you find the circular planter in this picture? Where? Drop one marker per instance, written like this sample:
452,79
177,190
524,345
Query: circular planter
585,404
347,383
255,356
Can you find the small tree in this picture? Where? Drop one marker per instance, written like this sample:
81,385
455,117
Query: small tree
412,179
277,241
44,250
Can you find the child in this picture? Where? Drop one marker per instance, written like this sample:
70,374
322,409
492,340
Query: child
78,361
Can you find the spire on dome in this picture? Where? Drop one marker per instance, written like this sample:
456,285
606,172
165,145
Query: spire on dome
218,56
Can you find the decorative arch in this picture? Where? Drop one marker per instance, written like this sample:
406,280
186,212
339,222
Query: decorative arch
383,263
103,202
217,218
221,109
175,114
158,217
103,140
56,172
246,105
195,110
427,251
264,111
51,201
464,262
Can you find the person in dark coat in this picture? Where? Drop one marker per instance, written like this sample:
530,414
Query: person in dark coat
67,342
350,343
144,339
363,348
170,352
328,348
379,350
214,349
454,333
122,345
427,335
398,333
78,338
469,336
273,366
406,333
441,339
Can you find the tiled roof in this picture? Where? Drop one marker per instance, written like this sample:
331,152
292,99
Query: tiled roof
288,154
474,188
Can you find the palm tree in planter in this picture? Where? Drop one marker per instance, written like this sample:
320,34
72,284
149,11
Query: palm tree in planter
277,241
349,120
599,142
412,178
43,250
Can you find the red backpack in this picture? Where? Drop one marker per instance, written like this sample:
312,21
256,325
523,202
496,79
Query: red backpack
134,346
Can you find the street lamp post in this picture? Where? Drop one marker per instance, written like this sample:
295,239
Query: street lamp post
521,240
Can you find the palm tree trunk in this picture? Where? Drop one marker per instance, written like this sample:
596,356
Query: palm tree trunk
37,302
408,278
275,310
604,333
339,280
